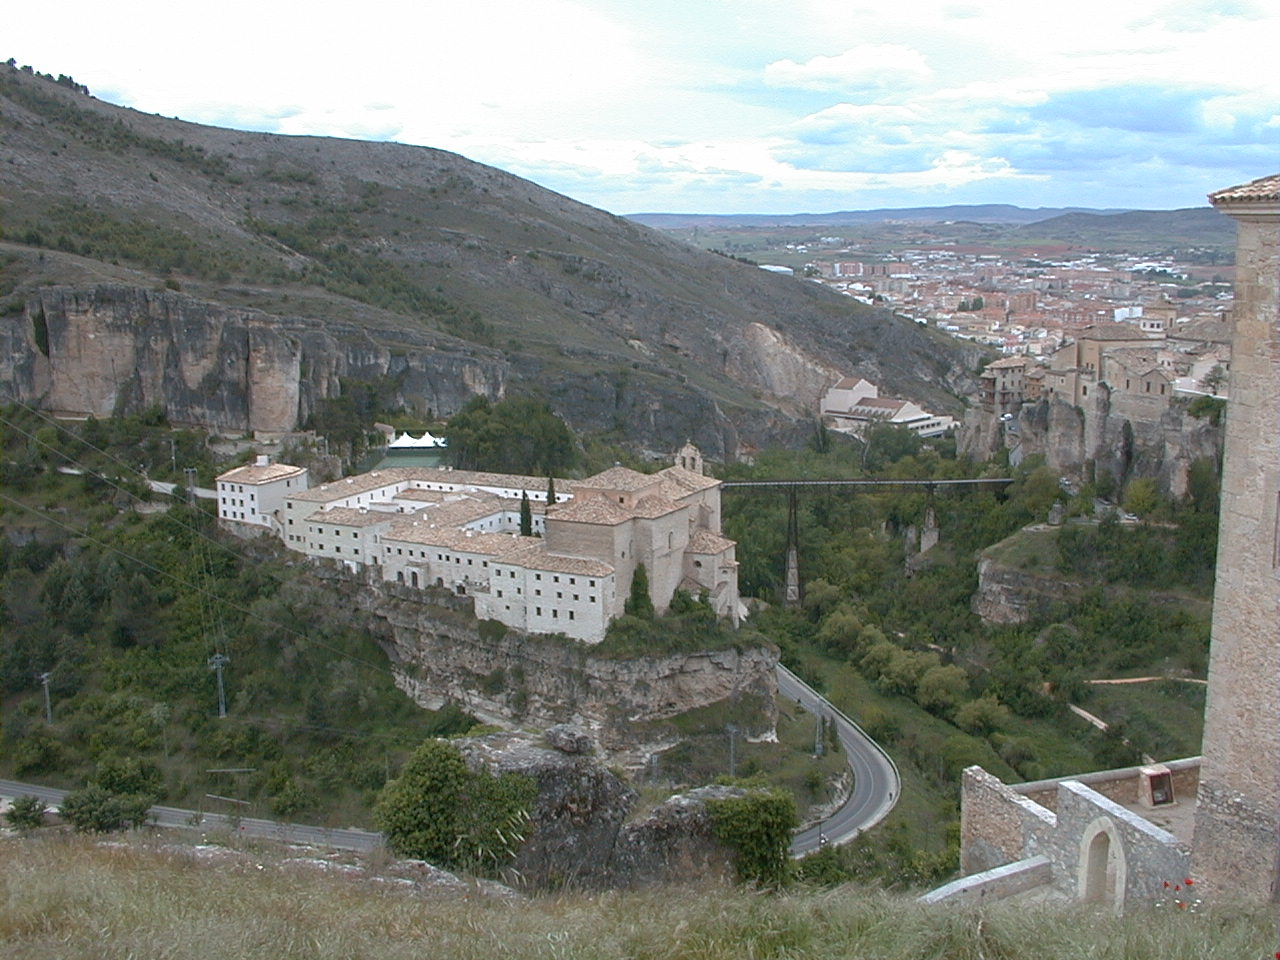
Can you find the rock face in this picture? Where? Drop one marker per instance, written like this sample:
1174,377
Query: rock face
579,835
627,706
120,349
1006,595
1123,447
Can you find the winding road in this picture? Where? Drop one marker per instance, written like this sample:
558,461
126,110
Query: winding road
876,788
876,785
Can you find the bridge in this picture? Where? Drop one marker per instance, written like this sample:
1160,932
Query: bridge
791,594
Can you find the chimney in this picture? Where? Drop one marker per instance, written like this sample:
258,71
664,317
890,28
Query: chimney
263,460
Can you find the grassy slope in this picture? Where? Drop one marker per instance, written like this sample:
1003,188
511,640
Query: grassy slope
72,898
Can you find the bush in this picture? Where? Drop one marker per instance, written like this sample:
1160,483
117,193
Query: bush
95,809
438,810
26,813
757,827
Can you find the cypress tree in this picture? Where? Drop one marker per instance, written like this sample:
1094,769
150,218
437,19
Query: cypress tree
640,604
526,515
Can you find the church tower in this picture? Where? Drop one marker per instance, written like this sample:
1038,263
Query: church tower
1235,852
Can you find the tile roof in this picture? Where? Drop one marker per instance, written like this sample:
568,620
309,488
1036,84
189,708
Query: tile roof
1112,331
705,542
654,506
1262,189
590,509
353,517
617,478
533,555
690,481
256,474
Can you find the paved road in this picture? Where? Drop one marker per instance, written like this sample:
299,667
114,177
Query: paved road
340,839
876,786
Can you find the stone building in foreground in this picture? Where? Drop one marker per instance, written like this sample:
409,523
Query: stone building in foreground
1118,837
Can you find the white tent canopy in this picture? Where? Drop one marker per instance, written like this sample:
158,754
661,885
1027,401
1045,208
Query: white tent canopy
407,442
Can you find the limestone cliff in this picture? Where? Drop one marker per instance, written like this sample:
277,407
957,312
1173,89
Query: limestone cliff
581,828
630,706
1008,595
1117,439
114,348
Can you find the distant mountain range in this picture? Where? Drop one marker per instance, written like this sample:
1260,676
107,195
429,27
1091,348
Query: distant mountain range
973,213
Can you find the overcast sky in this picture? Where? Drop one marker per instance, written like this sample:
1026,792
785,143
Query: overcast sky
723,106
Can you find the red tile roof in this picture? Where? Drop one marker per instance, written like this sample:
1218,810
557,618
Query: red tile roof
1264,188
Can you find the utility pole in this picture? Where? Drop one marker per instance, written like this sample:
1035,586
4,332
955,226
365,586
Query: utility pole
191,483
216,663
48,706
733,749
818,745
173,454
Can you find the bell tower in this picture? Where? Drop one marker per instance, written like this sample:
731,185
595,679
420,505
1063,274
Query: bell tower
1236,846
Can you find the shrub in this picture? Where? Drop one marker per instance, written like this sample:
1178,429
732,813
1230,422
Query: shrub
757,827
26,813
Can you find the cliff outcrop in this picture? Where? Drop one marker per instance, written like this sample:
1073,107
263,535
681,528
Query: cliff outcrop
114,348
580,833
629,705
1111,436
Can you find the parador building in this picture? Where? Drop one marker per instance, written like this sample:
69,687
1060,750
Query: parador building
460,530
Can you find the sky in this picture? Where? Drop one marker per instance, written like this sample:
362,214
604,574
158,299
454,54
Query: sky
722,106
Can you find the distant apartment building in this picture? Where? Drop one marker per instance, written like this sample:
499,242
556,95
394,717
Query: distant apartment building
460,531
853,404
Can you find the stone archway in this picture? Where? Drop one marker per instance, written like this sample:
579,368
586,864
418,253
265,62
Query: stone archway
1102,869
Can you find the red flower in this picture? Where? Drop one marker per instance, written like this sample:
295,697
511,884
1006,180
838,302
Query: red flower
1189,882
1166,884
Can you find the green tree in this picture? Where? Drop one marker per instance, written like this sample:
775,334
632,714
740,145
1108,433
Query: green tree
26,813
639,603
941,689
94,809
438,810
1141,496
983,716
526,515
1215,379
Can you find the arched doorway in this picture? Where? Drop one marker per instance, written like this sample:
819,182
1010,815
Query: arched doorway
1102,869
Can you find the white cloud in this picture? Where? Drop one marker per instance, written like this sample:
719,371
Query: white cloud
704,104
870,66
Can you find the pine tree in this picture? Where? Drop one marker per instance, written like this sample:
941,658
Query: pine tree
551,491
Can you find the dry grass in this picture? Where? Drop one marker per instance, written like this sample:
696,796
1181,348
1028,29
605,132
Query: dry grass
72,898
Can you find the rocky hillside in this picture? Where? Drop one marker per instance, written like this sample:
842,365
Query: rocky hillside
238,277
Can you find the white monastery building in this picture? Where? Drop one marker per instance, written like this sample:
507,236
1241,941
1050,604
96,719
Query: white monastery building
252,497
460,530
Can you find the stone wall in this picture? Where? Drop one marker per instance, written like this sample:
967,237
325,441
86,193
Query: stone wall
1120,785
1147,856
997,824
1001,825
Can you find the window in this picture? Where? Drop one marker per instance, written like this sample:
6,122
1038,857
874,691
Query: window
537,611
591,583
499,594
537,593
555,614
556,579
537,576
571,615
572,581
576,597
559,595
